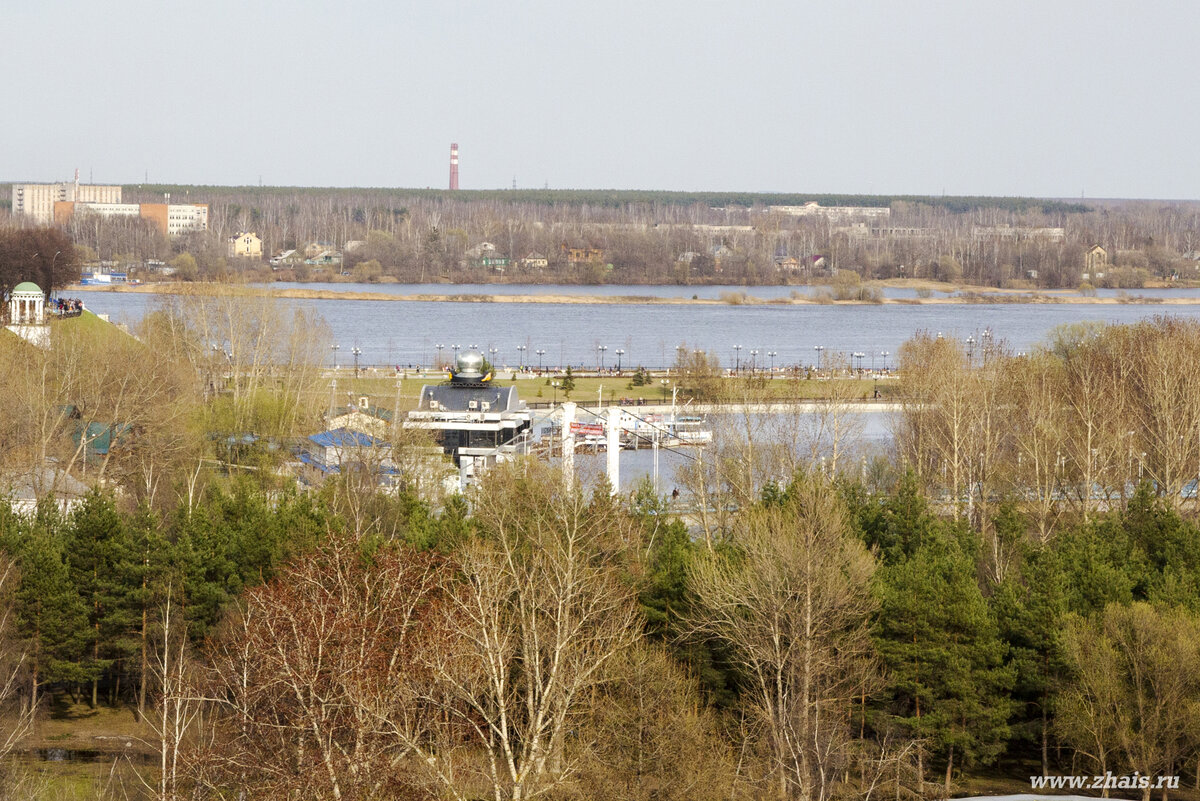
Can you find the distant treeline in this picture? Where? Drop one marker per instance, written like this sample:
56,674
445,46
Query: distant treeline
619,198
647,237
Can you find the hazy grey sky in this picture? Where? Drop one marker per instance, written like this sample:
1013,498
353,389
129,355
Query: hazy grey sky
1049,98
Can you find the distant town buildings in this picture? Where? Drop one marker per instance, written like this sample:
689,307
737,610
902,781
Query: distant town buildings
860,231
182,218
38,200
59,203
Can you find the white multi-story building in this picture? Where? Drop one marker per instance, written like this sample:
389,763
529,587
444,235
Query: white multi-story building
37,200
833,213
182,218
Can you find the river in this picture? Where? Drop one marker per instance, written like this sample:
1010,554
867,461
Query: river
407,332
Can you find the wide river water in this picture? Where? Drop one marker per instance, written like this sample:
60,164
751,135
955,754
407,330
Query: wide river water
407,332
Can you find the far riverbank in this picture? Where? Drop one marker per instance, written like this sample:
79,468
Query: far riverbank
964,295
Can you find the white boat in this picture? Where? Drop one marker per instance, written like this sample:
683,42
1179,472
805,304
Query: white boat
667,430
691,431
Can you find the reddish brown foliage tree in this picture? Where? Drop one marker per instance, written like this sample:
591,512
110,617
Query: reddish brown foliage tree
319,678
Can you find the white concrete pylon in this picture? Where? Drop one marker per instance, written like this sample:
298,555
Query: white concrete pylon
614,447
568,443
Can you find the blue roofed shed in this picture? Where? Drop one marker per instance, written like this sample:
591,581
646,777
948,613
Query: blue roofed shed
329,451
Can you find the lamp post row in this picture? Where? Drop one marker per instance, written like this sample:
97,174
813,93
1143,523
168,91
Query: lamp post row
601,350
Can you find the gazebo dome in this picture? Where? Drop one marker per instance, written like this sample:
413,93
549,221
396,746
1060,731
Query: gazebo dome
26,307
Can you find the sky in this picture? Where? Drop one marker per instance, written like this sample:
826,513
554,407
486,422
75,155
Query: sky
1052,98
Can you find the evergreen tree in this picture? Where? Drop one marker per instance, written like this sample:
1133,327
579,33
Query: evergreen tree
50,614
102,565
1169,551
898,527
1099,565
939,640
154,568
1031,606
204,558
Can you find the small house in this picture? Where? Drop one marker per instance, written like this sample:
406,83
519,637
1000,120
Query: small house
246,244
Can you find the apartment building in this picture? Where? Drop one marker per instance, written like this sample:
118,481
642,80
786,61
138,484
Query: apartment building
37,200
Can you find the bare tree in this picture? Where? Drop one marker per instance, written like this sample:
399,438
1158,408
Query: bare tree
177,707
320,681
1034,391
1134,699
793,607
835,425
932,429
650,736
538,613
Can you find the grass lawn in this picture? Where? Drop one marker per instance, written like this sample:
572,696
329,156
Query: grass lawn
382,390
104,746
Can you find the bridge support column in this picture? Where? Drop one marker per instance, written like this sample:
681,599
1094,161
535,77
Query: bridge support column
614,448
568,443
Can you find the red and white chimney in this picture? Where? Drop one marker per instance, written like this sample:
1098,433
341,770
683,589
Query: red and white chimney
454,165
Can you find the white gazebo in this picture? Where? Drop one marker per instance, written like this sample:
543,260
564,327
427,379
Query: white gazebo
27,314
27,305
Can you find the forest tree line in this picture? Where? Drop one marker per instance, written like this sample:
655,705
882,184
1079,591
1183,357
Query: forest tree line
836,643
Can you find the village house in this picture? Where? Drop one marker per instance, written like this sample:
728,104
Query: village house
582,255
339,450
245,245
485,255
328,258
1095,261
314,249
720,255
365,418
286,257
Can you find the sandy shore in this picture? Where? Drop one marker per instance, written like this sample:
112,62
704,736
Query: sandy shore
980,295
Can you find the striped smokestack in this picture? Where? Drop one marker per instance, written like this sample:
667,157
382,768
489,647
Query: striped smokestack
454,165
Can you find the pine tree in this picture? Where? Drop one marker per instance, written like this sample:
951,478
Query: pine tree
154,566
50,614
939,641
1030,606
101,567
899,527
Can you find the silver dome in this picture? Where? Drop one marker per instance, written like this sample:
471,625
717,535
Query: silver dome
469,364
